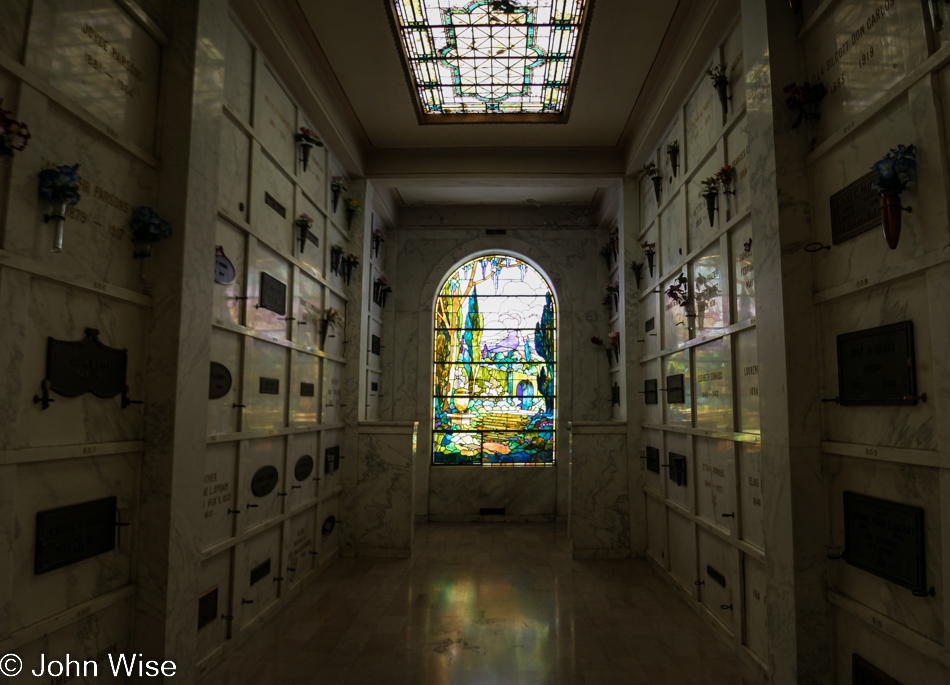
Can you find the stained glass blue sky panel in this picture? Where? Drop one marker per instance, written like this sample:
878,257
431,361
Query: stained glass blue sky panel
491,56
495,366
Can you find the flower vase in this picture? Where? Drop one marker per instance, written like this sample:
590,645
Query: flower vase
143,251
305,149
302,237
700,313
336,260
721,88
336,197
347,272
675,161
891,216
322,330
376,242
657,184
617,353
349,217
711,206
616,302
616,242
59,219
610,357
638,273
650,256
607,258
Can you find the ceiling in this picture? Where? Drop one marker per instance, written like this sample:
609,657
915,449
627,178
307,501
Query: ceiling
354,45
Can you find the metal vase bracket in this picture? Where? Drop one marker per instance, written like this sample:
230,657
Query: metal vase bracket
891,217
323,328
711,206
650,261
59,219
657,183
143,251
675,161
638,272
722,90
305,149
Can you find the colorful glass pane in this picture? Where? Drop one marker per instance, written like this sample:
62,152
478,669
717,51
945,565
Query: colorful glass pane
491,56
495,366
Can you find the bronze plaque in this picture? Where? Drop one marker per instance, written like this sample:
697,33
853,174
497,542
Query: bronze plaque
306,389
75,368
863,672
374,347
715,575
675,389
313,238
650,394
264,481
303,468
223,268
260,572
271,202
650,324
328,525
653,459
74,533
854,209
678,468
374,387
269,386
220,381
207,607
886,539
273,294
877,366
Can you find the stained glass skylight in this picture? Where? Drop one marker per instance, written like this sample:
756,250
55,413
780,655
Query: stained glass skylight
495,366
491,57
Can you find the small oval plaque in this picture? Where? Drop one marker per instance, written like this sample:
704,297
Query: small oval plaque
304,467
264,481
220,381
223,268
329,525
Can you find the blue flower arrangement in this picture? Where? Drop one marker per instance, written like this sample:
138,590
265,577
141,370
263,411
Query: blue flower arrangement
61,184
895,170
148,227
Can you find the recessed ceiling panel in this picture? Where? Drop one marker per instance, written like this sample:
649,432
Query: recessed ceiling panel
491,59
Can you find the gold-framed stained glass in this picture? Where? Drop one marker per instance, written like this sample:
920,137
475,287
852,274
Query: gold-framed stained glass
491,60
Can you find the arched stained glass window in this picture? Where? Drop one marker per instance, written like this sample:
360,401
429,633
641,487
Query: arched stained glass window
495,366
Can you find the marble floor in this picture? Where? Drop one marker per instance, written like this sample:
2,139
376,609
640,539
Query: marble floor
485,603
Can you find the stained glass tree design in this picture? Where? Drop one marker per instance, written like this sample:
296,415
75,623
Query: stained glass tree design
495,365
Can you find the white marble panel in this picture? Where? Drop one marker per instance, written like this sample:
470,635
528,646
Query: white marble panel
299,560
385,515
599,511
313,255
329,542
648,203
735,68
700,231
314,180
673,365
716,482
300,446
913,486
93,638
898,426
373,385
724,558
217,496
656,529
275,119
651,338
14,17
675,323
750,493
747,380
677,443
251,555
674,232
743,271
330,477
308,310
64,314
49,485
459,492
98,55
238,75
305,409
275,225
222,414
737,152
651,479
703,122
226,305
332,391
713,391
233,166
264,411
756,583
261,453
710,275
215,574
335,334
859,49
270,323
97,241
682,550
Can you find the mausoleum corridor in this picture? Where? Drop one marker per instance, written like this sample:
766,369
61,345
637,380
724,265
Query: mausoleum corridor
486,603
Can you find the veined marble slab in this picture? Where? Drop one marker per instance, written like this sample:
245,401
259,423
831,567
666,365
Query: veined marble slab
385,514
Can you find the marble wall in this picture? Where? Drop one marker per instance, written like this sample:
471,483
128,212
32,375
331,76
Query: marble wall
385,519
429,244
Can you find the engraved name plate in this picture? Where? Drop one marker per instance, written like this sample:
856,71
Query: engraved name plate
264,481
653,459
303,468
650,324
877,366
260,572
716,575
332,459
678,468
854,209
75,368
374,348
269,386
74,533
328,525
650,394
306,389
223,268
219,383
272,202
675,389
886,539
374,387
207,607
273,294
313,238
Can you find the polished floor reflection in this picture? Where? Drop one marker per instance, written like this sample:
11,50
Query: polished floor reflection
488,604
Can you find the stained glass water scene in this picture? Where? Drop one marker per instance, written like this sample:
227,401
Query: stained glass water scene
491,56
495,366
